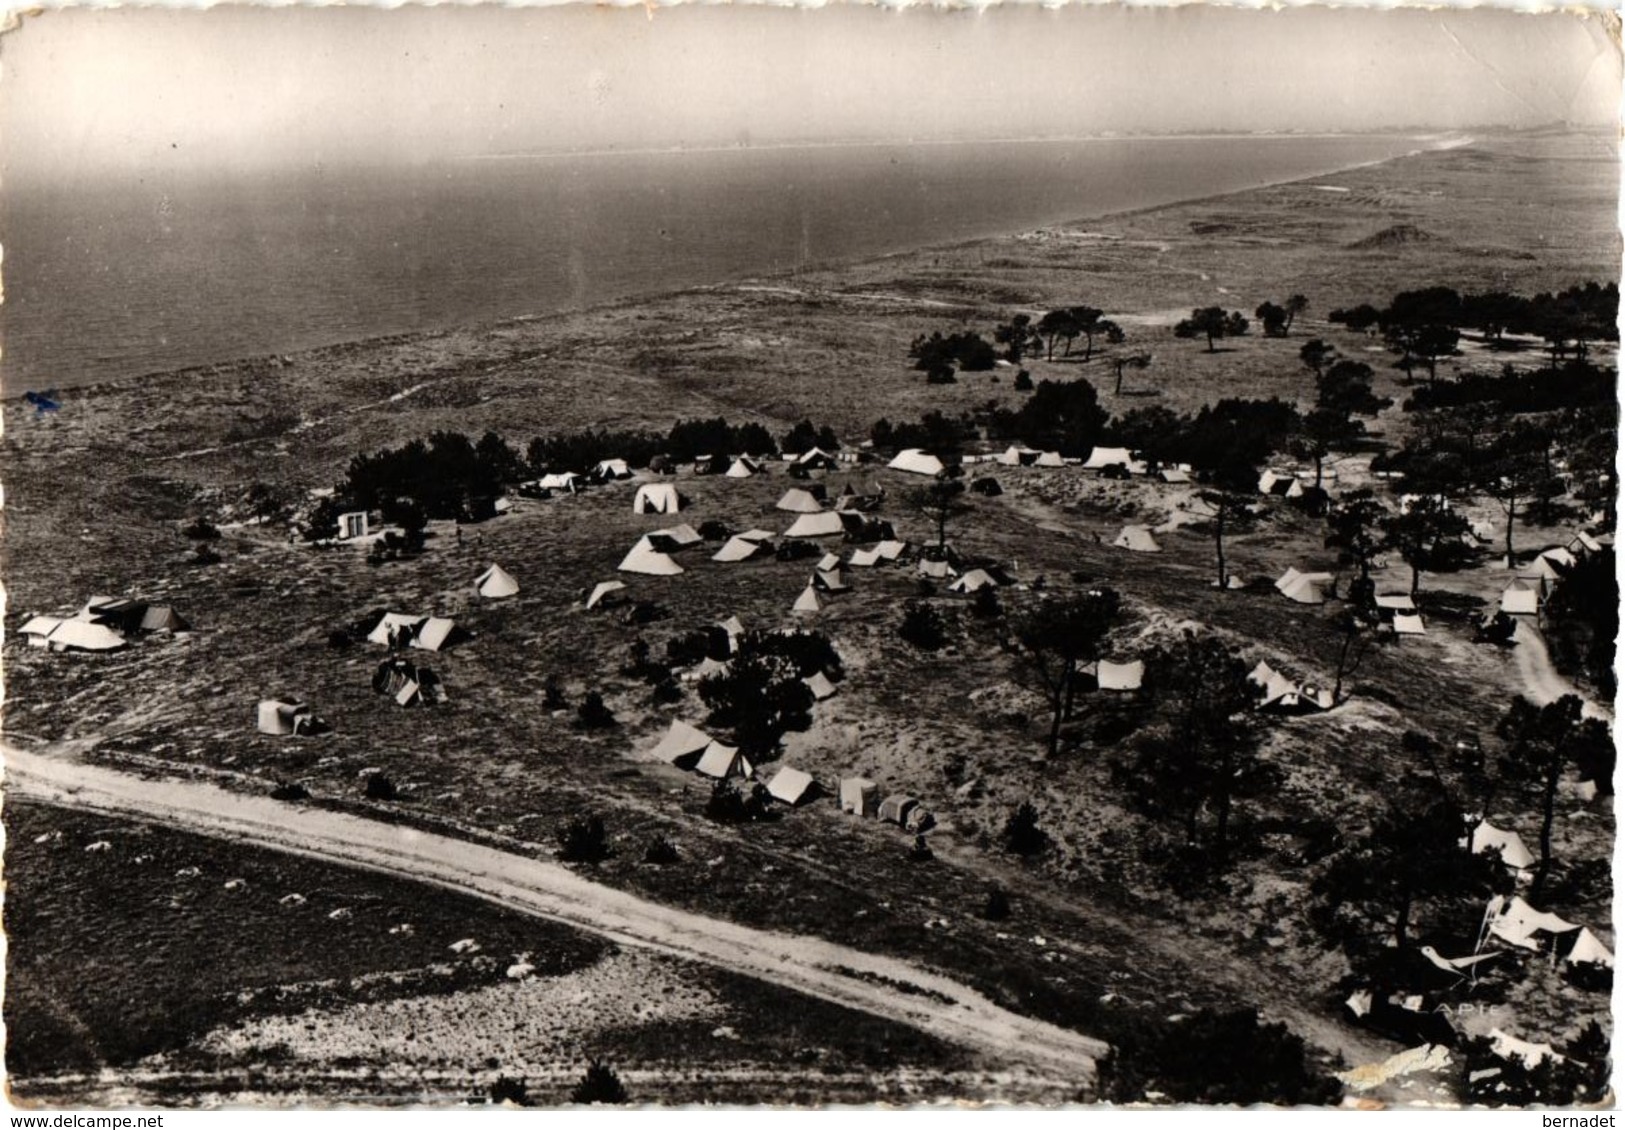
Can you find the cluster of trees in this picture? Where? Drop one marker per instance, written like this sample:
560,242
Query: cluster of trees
1422,326
937,355
448,477
686,441
761,696
1582,621
1213,323
1277,319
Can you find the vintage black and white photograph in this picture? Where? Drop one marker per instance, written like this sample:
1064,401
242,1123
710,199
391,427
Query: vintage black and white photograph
773,556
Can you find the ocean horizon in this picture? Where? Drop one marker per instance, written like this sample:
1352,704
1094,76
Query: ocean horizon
113,280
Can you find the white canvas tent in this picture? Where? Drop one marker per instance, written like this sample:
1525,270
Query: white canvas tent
820,685
791,786
656,498
807,602
972,581
1137,539
390,622
434,633
1396,602
677,537
1589,950
496,583
916,462
742,467
865,558
799,501
1517,923
891,550
644,558
1017,455
859,796
937,570
822,525
567,481
603,589
38,629
1103,457
1519,599
681,744
1120,676
280,716
740,548
612,469
723,761
830,580
1583,543
1409,625
1049,459
1305,588
1175,475
1487,838
353,525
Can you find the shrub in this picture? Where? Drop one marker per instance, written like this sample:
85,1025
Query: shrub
509,1090
582,840
599,1085
921,851
807,651
553,694
1214,1057
760,697
997,908
205,555
201,530
728,805
922,626
660,850
985,605
666,691
592,714
1022,835
1024,381
380,787
713,530
290,791
339,639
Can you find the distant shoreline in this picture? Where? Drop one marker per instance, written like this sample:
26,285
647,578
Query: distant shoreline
110,385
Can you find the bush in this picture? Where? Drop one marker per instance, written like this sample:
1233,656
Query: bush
1022,835
666,691
599,1085
592,714
921,851
985,605
759,697
1214,1057
660,851
807,651
997,908
290,791
380,787
509,1090
1024,381
922,626
728,805
339,639
205,556
553,694
582,840
713,530
201,530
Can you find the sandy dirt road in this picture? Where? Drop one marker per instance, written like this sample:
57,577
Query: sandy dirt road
1541,680
880,986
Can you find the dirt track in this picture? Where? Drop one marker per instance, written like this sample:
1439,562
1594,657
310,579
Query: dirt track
877,985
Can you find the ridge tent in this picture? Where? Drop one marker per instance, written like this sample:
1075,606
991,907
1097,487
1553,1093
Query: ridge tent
1261,675
722,762
859,796
1408,625
936,570
1305,588
1516,922
1531,1055
1396,602
895,808
798,501
819,684
864,558
682,745
916,462
732,626
1488,838
1560,556
756,535
38,629
1583,543
391,623
1542,568
612,469
435,633
1587,949
657,498
738,548
742,467
601,590
162,618
1137,539
567,481
1017,455
987,485
822,525
1120,676
891,550
831,580
815,460
644,558
974,580
1049,459
283,717
827,563
674,537
496,583
1102,457
1518,599
792,786
1174,475
352,525
121,615
807,602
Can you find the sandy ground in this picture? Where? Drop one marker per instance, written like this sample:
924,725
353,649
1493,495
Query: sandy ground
835,973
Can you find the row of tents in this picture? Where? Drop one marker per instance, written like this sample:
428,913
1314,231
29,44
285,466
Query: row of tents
103,624
690,748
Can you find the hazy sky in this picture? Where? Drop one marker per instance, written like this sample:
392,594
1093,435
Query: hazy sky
243,88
